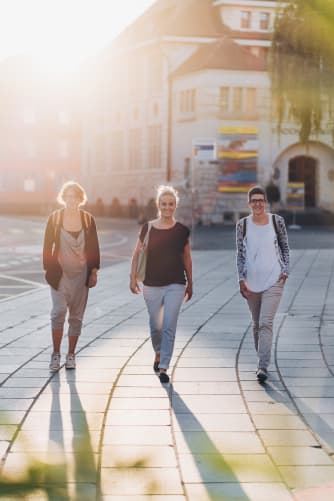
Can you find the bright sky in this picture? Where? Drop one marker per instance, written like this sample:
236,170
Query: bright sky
69,30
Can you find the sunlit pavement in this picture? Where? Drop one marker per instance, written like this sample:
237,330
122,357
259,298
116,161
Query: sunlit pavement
111,431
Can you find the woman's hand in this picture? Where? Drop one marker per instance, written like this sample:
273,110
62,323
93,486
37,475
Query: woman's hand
92,279
189,292
134,287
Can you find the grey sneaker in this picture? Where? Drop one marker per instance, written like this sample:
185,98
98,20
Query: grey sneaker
55,362
70,361
261,375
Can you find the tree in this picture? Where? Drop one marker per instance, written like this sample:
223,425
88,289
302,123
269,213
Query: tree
302,65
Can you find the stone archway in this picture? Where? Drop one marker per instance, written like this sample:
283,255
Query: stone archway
302,169
312,164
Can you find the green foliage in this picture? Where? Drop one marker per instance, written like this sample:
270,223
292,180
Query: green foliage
302,65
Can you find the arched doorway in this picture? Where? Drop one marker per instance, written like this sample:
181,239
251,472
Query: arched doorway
302,169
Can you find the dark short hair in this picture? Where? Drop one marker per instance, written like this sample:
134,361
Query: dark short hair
256,190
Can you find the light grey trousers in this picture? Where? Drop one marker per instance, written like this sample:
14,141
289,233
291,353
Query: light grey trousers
263,307
163,305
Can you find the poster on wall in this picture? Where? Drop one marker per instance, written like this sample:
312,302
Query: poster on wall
237,156
204,149
295,196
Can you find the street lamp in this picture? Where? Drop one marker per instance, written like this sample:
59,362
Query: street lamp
169,127
169,79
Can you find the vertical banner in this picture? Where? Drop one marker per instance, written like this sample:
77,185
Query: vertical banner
237,157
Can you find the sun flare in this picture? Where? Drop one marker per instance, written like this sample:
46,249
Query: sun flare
59,34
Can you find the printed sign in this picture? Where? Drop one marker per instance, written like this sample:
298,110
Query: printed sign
237,156
295,196
204,149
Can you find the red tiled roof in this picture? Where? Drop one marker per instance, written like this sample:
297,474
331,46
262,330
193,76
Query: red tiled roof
185,18
223,54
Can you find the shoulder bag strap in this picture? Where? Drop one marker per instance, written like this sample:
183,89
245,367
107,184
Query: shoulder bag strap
86,219
244,227
276,229
56,221
145,241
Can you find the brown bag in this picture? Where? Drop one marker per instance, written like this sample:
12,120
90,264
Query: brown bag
142,257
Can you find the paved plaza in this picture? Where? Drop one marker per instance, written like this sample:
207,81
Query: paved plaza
111,431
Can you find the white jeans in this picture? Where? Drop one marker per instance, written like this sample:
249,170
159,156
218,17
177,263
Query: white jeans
163,305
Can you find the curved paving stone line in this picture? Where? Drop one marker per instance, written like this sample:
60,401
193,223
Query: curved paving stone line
211,434
306,458
287,436
69,394
139,423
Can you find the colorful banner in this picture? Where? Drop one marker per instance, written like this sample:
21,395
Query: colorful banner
237,155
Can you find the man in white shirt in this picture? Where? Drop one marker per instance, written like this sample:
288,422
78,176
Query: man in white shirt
263,267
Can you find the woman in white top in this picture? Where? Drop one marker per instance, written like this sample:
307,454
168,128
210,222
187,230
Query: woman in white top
263,266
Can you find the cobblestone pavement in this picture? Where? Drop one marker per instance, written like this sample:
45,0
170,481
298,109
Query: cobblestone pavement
111,431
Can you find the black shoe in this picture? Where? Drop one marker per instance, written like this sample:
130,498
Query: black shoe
156,365
261,375
164,378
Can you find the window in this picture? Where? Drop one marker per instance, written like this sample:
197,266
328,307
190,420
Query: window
135,149
237,99
192,100
155,109
264,20
100,154
183,102
155,73
117,150
154,147
224,99
136,78
246,17
188,101
251,100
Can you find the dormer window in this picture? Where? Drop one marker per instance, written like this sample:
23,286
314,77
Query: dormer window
264,20
246,17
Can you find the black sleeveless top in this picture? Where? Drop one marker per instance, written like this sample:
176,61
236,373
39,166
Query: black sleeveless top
165,251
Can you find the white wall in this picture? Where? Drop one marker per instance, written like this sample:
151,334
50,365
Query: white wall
206,121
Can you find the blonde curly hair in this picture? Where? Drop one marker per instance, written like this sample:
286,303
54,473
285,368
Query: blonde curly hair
167,190
76,187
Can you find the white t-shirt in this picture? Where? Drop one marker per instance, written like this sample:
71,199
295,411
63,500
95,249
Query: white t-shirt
262,264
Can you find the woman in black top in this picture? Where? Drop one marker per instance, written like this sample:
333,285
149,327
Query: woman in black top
71,259
168,277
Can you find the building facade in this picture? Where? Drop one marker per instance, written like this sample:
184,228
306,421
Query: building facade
185,72
40,136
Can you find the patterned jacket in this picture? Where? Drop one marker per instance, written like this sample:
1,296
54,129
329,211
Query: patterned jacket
281,245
